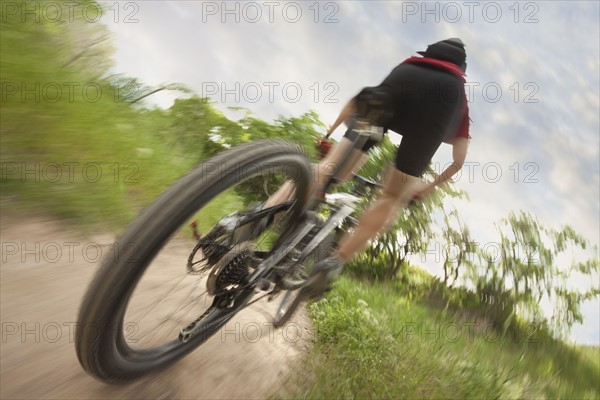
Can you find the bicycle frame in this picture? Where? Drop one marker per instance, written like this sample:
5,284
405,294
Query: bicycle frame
347,207
265,270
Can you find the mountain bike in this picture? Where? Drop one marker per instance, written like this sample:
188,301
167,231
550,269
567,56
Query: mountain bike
245,252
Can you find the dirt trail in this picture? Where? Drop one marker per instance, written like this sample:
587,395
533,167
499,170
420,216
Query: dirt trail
44,272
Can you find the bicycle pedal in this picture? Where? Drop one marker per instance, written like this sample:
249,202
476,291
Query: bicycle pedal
263,285
315,288
271,296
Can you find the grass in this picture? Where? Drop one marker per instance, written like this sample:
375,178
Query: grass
374,342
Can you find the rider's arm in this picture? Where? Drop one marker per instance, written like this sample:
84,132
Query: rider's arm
459,154
347,112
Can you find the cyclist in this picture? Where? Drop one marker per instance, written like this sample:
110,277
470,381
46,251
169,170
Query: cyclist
423,99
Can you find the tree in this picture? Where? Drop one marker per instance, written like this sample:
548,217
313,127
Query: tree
200,128
526,267
459,247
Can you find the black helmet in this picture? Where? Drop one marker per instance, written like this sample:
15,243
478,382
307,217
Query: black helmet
452,50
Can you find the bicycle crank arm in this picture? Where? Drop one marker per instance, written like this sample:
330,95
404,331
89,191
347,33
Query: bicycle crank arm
222,304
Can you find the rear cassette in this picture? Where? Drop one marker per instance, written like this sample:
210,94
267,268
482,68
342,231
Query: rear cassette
232,269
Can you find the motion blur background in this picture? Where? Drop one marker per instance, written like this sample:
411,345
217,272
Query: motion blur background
105,104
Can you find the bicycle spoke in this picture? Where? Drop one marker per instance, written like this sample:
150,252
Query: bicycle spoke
168,317
153,305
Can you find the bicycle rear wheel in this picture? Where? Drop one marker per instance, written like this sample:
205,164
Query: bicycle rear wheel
103,343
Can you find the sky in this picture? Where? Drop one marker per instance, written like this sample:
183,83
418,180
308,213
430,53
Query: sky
532,83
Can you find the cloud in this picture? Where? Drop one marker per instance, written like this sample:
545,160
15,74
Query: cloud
575,177
588,106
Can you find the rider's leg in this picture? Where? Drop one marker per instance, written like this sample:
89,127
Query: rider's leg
399,188
284,193
322,170
328,166
371,104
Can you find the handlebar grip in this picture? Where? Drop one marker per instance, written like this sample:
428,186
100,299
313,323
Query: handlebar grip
323,147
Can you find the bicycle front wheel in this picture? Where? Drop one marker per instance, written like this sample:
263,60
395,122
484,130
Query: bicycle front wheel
116,308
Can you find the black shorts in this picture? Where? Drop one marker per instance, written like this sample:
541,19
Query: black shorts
420,102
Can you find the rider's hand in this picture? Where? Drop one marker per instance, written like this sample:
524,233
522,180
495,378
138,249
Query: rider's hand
324,146
329,132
